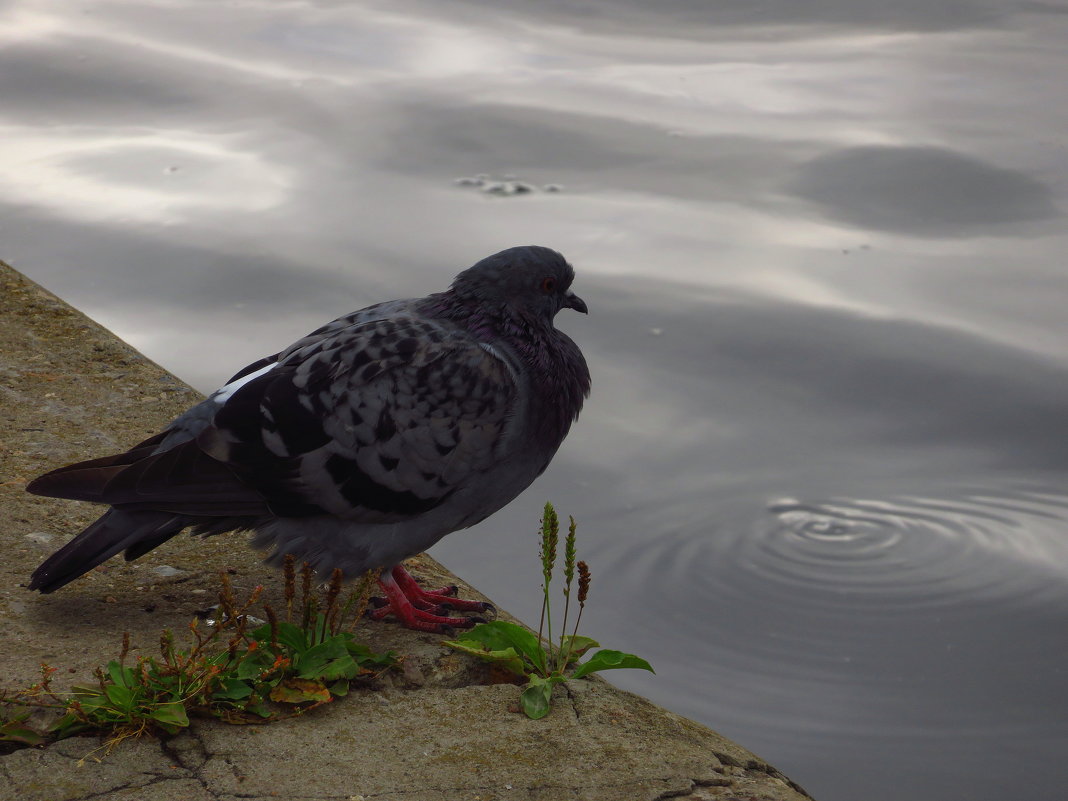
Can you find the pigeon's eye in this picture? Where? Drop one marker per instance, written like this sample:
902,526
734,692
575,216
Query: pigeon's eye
548,285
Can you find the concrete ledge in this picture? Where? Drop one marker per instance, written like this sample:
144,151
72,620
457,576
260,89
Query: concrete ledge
436,731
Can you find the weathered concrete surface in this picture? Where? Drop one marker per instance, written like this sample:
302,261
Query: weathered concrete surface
436,731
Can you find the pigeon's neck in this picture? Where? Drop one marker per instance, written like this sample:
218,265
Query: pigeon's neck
483,322
531,339
559,371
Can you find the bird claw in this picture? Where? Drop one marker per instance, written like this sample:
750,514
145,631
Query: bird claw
471,606
423,610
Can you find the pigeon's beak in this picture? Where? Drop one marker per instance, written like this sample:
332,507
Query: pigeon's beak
573,301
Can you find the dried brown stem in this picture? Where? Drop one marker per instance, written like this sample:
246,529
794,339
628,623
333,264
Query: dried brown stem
290,571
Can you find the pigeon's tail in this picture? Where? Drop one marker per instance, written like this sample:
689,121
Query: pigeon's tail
86,481
136,532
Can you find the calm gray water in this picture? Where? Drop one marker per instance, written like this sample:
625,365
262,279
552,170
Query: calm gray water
821,481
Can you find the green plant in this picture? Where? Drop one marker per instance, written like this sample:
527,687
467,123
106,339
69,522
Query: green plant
546,662
231,670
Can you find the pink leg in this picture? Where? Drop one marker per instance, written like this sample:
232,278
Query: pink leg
421,609
443,598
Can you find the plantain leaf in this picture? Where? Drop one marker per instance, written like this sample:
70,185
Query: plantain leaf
535,699
170,717
610,660
289,635
233,690
120,675
576,645
13,731
312,663
253,665
506,658
120,697
500,636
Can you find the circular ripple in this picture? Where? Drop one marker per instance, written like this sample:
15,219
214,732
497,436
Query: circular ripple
915,551
1009,549
829,614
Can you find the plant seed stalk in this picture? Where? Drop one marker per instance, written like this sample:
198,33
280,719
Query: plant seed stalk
332,606
306,598
583,593
569,576
550,530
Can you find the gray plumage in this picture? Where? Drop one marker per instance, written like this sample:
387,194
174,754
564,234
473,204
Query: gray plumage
363,443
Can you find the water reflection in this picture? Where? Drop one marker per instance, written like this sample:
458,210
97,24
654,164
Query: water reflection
821,477
923,190
149,177
694,18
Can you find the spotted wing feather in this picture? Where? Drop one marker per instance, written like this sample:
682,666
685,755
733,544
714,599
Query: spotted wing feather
377,421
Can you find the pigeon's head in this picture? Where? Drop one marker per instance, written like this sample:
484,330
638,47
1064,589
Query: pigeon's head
530,281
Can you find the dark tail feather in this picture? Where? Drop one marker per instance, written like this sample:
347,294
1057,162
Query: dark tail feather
85,481
81,482
115,531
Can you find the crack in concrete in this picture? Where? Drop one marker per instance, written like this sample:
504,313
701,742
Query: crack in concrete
468,788
171,752
676,793
120,787
695,784
726,781
758,766
572,702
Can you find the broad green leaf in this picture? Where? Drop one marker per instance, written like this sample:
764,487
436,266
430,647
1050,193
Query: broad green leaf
121,697
312,663
365,656
535,699
14,732
67,726
576,645
344,667
253,665
171,717
499,635
259,709
233,690
289,636
339,688
122,676
610,660
321,629
292,637
507,659
90,698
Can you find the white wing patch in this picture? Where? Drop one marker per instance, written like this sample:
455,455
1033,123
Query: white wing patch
222,395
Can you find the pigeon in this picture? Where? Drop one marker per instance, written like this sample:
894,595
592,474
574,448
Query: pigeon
361,444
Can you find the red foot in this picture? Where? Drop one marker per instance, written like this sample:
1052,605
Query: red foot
421,609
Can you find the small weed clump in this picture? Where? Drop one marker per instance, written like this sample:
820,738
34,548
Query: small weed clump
232,669
545,662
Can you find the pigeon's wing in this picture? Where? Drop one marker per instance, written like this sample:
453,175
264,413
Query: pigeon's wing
377,421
